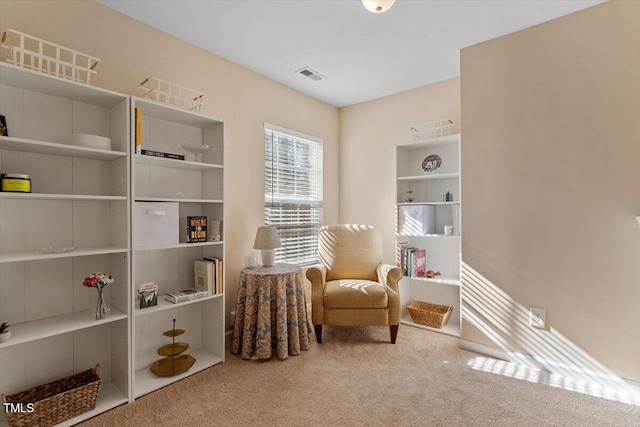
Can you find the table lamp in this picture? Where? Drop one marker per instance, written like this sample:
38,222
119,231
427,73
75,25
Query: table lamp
267,240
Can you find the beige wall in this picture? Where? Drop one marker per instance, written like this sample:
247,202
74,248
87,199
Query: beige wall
369,133
131,51
551,188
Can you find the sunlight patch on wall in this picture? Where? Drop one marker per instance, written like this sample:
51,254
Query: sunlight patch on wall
544,356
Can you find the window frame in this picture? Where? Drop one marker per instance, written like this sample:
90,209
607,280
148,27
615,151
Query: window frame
269,199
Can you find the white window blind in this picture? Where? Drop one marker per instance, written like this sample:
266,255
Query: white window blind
293,192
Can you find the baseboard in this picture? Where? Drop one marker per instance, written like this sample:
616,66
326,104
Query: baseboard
511,356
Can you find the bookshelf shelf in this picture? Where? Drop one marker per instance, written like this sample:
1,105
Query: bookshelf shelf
166,305
30,331
146,382
35,255
44,147
142,159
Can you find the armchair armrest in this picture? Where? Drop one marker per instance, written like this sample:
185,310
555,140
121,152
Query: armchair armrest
389,276
318,277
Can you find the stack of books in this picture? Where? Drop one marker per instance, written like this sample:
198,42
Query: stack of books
185,295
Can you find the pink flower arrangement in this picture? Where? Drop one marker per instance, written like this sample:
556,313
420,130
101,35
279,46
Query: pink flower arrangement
97,280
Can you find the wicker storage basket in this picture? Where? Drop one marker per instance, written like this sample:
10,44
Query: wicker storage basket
56,401
428,314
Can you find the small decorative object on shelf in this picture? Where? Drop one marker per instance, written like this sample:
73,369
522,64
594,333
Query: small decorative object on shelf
147,294
435,129
36,54
15,183
197,150
99,281
3,126
409,195
175,362
5,333
447,197
55,250
196,229
431,163
448,230
169,93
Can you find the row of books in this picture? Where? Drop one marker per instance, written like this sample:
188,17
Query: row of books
208,275
411,260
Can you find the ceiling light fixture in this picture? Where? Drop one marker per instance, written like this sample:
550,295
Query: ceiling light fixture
378,6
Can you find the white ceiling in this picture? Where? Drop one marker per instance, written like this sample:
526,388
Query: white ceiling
363,55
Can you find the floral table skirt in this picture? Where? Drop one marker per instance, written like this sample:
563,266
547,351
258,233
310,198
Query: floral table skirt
270,313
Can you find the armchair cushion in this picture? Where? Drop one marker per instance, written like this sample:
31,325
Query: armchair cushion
355,293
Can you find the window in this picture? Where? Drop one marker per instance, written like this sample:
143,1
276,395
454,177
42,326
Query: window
293,192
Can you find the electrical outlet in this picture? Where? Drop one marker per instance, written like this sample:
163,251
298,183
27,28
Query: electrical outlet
537,317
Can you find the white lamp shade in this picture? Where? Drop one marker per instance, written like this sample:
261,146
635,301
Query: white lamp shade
267,238
378,6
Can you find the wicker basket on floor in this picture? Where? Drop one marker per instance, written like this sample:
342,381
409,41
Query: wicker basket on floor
56,401
428,314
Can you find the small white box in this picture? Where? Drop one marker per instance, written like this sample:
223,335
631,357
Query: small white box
155,223
416,220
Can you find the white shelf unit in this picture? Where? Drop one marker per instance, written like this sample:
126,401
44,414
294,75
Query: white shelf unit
197,188
442,251
80,198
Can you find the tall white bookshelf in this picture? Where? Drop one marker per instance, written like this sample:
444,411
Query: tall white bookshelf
197,188
80,198
442,251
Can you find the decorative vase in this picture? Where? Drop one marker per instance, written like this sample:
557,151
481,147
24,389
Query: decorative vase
102,309
251,260
5,336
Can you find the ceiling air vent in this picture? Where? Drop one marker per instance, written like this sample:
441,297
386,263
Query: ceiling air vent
313,75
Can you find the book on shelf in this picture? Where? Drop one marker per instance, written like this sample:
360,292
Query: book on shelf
196,229
219,276
185,295
205,272
138,136
147,294
215,231
154,153
421,262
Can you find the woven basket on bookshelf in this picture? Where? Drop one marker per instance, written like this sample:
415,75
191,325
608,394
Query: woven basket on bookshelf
56,401
428,314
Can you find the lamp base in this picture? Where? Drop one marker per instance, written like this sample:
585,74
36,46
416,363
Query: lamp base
268,257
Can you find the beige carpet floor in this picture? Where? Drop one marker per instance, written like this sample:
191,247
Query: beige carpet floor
357,378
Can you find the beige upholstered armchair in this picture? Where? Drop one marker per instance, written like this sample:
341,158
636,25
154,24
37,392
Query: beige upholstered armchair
353,287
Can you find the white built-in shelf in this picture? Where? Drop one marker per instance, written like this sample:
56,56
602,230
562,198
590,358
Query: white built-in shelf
109,397
36,81
449,175
44,196
443,280
172,114
176,246
427,203
430,142
30,331
43,147
166,305
146,382
440,236
452,329
142,159
166,199
35,255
